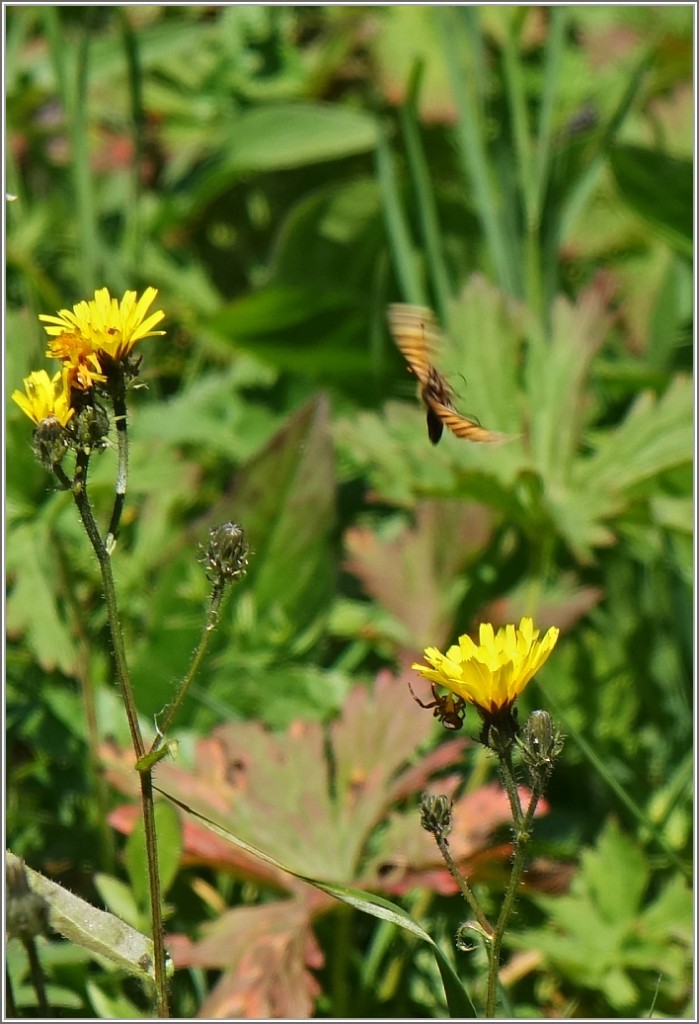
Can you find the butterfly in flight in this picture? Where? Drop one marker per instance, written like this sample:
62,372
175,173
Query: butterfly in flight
415,332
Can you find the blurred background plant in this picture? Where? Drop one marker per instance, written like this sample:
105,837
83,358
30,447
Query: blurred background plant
281,174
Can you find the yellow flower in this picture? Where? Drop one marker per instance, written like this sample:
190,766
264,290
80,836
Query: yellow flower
104,324
492,674
46,397
77,355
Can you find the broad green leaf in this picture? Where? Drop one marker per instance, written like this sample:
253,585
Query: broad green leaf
459,1002
102,933
286,135
656,436
660,189
275,137
320,332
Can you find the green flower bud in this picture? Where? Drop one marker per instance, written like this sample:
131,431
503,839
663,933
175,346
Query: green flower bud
435,814
226,558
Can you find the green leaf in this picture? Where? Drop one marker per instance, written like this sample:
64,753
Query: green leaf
33,606
101,933
285,135
169,839
304,329
458,1000
285,500
119,897
660,189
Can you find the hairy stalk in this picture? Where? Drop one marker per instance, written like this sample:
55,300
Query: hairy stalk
508,780
523,828
119,402
466,891
85,512
197,658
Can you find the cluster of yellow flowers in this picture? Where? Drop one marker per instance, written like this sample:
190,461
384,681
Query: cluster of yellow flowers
87,340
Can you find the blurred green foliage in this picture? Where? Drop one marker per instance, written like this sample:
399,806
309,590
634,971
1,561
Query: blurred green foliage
281,174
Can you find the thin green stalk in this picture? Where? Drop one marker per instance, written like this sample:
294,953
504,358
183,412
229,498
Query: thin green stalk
159,960
516,95
186,682
97,779
132,221
399,240
553,64
508,779
425,198
579,197
37,976
10,1008
466,891
74,102
470,136
88,520
342,952
119,402
523,835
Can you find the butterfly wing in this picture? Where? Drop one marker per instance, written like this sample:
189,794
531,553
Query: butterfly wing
416,336
459,425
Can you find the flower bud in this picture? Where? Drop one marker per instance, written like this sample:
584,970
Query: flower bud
435,814
50,442
226,558
540,743
91,427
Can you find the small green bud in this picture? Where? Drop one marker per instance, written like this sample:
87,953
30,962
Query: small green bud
50,442
540,743
226,558
435,814
90,428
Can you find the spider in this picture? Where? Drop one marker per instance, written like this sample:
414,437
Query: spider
450,710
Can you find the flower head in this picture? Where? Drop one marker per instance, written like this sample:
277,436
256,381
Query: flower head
491,674
46,398
104,325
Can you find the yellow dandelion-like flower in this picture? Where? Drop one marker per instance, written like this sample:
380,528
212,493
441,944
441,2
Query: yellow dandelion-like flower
45,397
105,324
76,353
492,674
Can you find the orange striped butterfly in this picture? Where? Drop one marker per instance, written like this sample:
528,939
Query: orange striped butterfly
416,334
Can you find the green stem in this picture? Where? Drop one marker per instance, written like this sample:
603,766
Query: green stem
523,835
425,198
37,976
88,520
159,959
201,650
466,891
399,240
508,780
342,951
83,505
119,403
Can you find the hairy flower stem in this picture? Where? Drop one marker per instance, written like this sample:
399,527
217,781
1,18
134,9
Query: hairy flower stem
83,505
197,658
466,891
119,403
523,830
